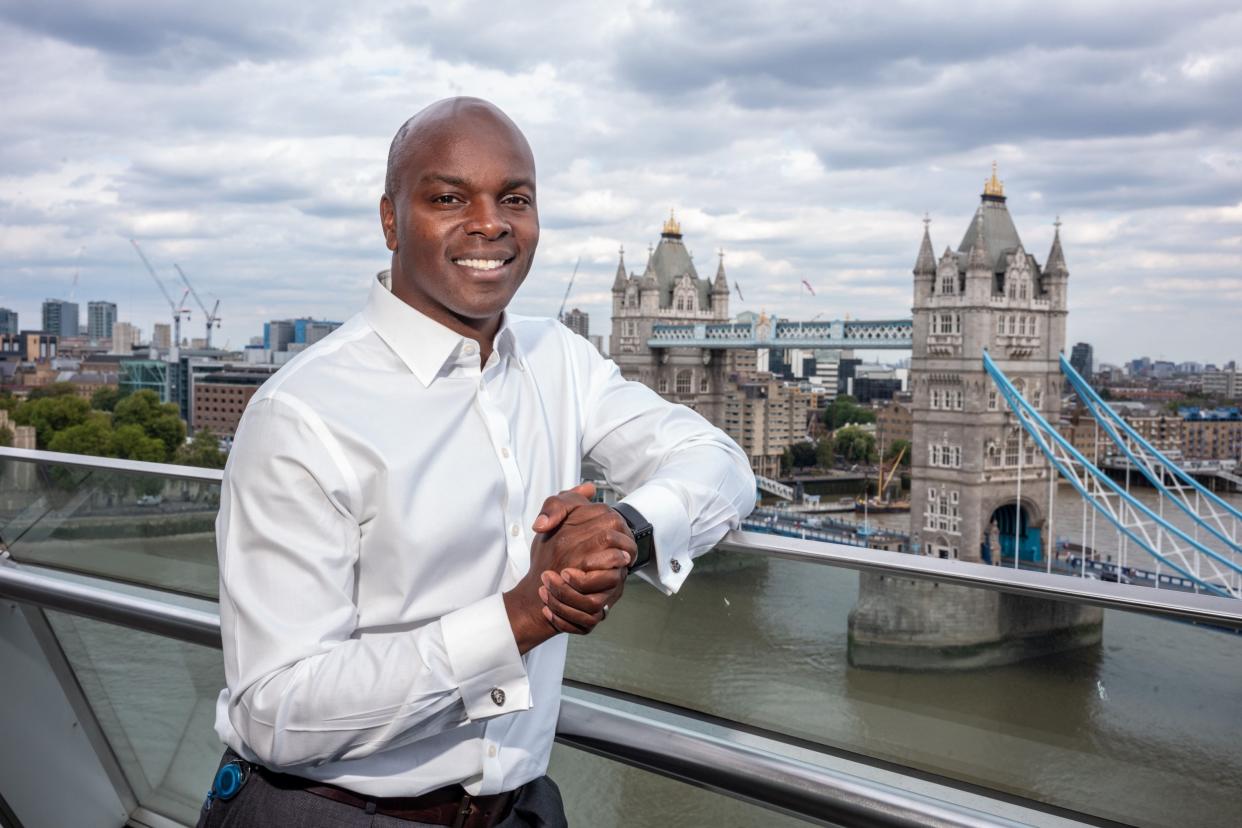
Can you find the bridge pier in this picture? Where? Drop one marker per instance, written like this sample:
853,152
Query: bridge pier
905,624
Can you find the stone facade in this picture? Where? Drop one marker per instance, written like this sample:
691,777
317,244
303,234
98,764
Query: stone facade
906,624
670,291
989,294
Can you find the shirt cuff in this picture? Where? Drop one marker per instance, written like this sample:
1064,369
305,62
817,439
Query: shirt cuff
484,659
671,533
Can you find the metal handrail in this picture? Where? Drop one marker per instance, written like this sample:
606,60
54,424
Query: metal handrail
86,461
811,792
1184,606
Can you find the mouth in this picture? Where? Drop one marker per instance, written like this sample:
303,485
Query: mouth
483,266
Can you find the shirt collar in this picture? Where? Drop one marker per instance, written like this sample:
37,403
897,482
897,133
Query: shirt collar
423,344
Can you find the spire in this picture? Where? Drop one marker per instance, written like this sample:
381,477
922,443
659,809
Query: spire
1056,258
926,263
993,188
672,227
979,258
721,285
618,284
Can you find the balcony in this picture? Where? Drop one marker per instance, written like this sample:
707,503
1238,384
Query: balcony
734,702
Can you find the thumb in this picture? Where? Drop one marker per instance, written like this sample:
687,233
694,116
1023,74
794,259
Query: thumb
556,508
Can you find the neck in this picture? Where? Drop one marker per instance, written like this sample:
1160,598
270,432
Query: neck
482,331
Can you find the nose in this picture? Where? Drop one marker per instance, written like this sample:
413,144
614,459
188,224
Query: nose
486,219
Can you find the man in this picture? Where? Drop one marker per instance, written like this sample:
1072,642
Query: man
395,563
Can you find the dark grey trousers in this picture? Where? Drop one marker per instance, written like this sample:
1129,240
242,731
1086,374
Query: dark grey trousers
260,804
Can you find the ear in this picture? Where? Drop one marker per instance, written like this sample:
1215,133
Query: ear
388,222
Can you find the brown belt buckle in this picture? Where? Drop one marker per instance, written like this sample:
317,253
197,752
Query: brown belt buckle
463,810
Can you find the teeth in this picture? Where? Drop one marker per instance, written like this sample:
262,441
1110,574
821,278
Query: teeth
480,264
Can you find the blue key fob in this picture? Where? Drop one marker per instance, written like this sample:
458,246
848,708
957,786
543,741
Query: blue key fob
230,779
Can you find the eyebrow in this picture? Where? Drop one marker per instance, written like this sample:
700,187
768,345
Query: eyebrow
454,181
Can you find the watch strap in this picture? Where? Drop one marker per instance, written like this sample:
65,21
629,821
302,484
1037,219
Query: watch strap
643,532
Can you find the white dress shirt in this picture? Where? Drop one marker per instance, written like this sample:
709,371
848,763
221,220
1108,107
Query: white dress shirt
378,500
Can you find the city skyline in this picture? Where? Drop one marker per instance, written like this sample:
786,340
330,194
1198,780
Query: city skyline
806,145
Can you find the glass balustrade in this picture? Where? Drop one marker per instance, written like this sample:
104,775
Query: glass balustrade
1137,727
138,528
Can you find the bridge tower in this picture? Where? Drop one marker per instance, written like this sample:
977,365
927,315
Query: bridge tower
670,291
969,451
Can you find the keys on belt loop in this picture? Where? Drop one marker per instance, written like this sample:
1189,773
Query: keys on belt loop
463,811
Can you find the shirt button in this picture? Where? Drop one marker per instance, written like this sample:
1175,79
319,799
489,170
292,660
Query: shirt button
498,696
504,452
491,751
470,349
515,530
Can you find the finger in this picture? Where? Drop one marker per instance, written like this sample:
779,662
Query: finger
560,590
560,624
610,558
600,580
558,506
584,620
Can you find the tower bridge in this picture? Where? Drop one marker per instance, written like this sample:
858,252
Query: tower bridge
765,332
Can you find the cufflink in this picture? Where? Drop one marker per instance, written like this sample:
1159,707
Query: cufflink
498,696
675,565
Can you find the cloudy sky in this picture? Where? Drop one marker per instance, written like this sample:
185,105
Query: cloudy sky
246,142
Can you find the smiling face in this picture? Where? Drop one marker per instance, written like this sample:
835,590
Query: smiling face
460,214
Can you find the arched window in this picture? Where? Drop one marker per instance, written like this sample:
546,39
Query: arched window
947,283
704,385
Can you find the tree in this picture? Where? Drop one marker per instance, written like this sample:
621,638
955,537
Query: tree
856,445
53,389
6,436
203,450
802,454
93,437
105,398
845,410
895,447
825,454
8,402
132,443
52,414
156,419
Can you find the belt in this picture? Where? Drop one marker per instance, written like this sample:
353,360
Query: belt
450,805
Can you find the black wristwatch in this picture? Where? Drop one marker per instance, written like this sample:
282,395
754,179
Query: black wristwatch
644,534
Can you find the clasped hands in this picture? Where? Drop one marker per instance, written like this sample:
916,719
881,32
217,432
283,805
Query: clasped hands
578,565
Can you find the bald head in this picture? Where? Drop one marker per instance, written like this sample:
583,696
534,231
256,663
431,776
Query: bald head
444,119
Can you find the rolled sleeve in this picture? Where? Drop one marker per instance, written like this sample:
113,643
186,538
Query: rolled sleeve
484,659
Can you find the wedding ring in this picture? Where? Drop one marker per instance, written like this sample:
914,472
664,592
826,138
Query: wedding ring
605,610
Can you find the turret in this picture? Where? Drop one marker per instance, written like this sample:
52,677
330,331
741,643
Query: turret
925,267
1056,274
720,291
618,284
979,266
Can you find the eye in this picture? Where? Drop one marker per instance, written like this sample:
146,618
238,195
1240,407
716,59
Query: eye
516,200
446,198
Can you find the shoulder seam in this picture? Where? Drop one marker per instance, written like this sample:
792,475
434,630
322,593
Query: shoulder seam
310,357
333,446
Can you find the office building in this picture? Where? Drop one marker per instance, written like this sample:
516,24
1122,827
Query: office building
100,320
60,318
8,321
1082,359
577,321
124,338
161,336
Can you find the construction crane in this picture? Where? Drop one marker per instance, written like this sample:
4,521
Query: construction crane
178,308
213,321
561,313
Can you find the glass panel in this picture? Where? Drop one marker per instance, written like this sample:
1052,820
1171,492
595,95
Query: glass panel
155,701
607,794
1140,727
143,529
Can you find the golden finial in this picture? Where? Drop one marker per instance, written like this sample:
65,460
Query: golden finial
994,186
672,227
